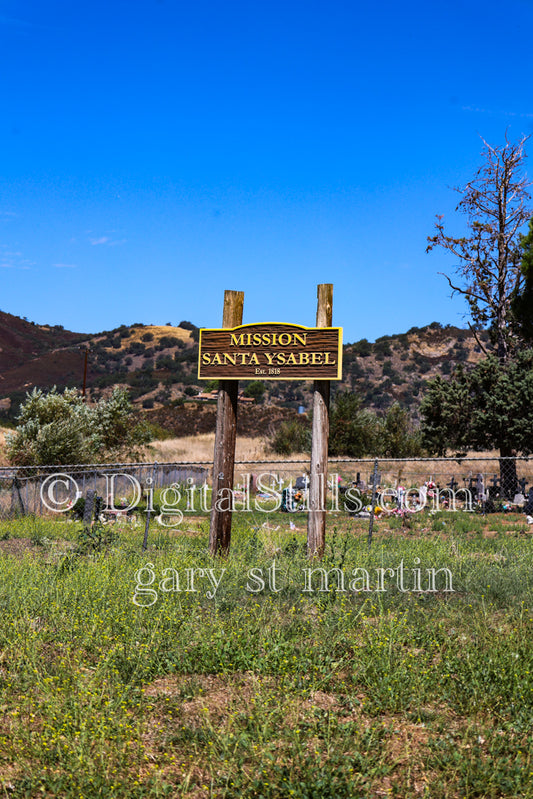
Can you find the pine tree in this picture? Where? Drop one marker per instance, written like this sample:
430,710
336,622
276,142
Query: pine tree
489,407
523,302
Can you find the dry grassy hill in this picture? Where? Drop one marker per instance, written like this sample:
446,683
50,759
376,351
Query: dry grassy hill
398,367
22,341
158,364
33,354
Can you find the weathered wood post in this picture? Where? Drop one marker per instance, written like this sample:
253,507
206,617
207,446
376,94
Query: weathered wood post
225,435
149,503
16,487
316,520
373,505
88,509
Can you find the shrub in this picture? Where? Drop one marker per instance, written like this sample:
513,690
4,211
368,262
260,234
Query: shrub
363,348
59,428
164,362
356,369
169,341
195,333
291,437
382,347
396,436
136,347
352,430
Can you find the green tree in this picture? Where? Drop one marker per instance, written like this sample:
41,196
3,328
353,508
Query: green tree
60,428
523,301
495,203
291,437
489,407
396,436
353,431
255,389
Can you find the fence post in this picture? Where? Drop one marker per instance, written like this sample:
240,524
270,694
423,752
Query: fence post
151,481
373,506
16,486
88,508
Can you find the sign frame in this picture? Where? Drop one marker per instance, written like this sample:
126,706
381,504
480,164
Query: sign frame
270,370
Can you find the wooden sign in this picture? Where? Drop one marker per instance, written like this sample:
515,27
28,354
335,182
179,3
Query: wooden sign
270,351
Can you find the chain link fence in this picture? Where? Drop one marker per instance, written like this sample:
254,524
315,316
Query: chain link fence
38,490
486,484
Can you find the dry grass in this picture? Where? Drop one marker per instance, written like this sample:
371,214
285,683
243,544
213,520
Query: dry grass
193,449
158,331
409,473
3,456
201,448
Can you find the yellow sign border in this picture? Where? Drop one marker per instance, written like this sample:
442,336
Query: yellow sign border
269,377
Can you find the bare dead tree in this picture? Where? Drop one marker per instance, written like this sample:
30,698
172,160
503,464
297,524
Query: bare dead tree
495,202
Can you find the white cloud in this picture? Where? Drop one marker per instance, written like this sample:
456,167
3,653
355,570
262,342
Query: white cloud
497,112
14,259
107,240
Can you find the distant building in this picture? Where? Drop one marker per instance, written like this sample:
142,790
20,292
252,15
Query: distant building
206,395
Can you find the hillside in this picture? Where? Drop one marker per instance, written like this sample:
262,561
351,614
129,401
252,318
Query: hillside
22,342
159,364
199,418
398,367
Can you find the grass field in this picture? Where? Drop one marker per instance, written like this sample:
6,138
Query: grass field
234,690
200,448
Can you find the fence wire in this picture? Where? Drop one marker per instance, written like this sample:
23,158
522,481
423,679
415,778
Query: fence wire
468,483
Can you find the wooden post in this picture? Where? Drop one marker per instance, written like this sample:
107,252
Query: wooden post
16,488
225,435
88,509
373,505
316,520
149,503
85,372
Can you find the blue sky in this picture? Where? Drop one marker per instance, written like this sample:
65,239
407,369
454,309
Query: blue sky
155,153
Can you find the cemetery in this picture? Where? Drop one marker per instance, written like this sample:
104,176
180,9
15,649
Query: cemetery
331,627
266,401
